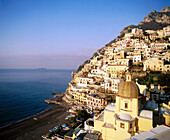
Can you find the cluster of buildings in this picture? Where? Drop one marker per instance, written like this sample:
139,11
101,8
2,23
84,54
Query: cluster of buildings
105,71
130,115
149,34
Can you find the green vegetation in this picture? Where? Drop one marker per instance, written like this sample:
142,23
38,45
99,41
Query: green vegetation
95,54
82,66
71,122
83,114
139,65
154,78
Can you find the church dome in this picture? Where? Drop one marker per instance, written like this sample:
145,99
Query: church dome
128,89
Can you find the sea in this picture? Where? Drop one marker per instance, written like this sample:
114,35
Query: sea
23,91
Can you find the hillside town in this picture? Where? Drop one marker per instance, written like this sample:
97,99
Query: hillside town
122,92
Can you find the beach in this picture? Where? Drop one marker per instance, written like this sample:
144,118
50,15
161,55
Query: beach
34,127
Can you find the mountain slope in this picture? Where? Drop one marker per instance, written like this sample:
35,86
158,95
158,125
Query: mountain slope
153,21
156,20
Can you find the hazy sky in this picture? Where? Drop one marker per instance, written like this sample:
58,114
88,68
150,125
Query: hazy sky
62,34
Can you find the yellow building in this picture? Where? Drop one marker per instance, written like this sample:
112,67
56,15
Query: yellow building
116,71
80,97
109,52
167,67
126,117
153,64
119,55
153,36
111,62
167,56
123,61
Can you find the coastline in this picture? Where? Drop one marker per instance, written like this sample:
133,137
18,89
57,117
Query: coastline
18,121
31,128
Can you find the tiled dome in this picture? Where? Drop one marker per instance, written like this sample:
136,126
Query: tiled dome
128,89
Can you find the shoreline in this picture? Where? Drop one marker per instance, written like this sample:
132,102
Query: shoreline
31,128
58,97
18,121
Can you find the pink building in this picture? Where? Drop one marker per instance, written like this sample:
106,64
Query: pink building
94,101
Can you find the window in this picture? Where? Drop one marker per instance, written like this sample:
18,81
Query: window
126,105
131,125
122,125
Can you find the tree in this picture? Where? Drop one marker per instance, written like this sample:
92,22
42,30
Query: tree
82,114
71,122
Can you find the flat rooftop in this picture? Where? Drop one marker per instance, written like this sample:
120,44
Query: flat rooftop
158,133
109,125
111,107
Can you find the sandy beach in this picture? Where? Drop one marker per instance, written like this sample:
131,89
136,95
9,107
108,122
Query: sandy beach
31,129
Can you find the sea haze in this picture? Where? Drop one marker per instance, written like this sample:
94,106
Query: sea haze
23,91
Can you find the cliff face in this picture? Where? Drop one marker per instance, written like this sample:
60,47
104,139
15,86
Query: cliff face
153,21
156,20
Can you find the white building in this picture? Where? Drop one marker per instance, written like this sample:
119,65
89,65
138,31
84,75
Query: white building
84,81
78,89
137,58
89,125
115,84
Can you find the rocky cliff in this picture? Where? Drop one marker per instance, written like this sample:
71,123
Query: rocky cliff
156,20
153,21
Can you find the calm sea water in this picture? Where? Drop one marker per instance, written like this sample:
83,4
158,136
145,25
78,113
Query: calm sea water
22,92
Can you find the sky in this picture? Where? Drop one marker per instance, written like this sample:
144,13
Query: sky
62,34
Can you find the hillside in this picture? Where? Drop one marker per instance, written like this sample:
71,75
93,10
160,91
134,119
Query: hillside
153,21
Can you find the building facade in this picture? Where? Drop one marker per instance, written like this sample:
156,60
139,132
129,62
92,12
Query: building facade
126,117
